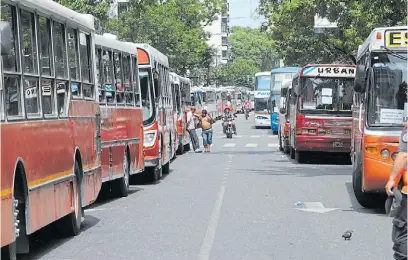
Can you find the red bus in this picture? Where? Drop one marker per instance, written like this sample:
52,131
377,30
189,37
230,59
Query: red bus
181,100
117,77
50,121
160,133
320,116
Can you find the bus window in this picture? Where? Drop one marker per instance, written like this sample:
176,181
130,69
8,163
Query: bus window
145,87
73,59
119,86
85,56
108,76
136,83
126,80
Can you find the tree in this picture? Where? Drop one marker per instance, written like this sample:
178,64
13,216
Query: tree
296,42
251,51
97,8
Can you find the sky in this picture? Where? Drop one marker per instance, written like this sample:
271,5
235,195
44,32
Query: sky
243,13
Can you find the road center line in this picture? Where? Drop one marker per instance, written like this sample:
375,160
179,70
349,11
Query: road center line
206,247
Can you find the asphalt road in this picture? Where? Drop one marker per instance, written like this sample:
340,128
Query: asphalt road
237,202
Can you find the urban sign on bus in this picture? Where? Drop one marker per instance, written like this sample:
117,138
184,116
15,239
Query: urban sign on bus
396,38
336,72
262,94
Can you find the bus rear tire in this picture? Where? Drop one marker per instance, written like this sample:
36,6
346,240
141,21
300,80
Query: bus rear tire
280,142
366,200
180,149
166,168
123,183
71,224
292,153
9,252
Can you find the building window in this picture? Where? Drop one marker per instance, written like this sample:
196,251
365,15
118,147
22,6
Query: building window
224,55
224,41
122,7
224,27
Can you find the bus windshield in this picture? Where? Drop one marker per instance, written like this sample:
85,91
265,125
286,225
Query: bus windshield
388,92
327,95
263,82
147,94
278,81
261,105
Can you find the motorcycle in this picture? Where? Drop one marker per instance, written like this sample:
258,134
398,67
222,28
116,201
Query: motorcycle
246,114
229,129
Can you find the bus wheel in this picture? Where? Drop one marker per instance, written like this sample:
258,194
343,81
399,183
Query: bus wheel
367,200
280,142
299,156
9,252
180,149
166,168
292,153
123,183
71,224
186,147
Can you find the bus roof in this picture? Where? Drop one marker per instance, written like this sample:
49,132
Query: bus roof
108,40
394,38
146,53
286,69
287,84
263,73
328,70
60,13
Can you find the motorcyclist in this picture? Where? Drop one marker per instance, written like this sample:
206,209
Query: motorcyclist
247,106
228,117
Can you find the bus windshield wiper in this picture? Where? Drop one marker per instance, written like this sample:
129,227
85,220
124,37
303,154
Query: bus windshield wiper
393,53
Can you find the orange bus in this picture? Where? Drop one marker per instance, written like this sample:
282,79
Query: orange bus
160,128
181,100
378,109
320,117
117,77
50,121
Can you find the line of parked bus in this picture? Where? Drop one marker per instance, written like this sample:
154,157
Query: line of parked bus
357,110
79,110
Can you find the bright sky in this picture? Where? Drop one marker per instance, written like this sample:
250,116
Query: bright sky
243,13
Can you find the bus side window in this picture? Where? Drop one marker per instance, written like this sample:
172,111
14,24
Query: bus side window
129,93
73,59
86,71
119,84
61,69
108,76
136,82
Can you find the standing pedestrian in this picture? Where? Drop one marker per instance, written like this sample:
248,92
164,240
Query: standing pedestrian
191,128
206,125
399,229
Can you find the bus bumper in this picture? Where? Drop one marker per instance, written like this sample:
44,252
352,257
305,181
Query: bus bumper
376,173
319,144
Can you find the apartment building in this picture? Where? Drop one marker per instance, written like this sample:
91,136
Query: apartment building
219,31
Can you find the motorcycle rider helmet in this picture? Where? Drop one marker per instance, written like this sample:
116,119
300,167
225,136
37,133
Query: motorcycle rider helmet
226,110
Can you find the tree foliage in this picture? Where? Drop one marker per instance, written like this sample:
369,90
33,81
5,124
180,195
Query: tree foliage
291,26
251,51
174,27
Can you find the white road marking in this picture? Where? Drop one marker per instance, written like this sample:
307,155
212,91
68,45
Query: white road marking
206,247
251,145
316,207
230,145
272,136
255,136
273,145
95,209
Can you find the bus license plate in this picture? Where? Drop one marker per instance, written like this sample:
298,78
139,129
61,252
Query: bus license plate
337,144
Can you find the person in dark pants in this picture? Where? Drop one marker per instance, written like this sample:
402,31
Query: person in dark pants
399,229
191,128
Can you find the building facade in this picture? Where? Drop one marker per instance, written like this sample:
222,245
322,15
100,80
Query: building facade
219,31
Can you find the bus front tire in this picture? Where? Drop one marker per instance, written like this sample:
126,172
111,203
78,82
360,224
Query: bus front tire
9,252
292,153
280,142
367,200
123,183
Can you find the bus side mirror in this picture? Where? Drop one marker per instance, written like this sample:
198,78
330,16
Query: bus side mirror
5,38
359,81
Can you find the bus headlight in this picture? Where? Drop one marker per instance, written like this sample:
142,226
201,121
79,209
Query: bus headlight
393,156
385,153
149,138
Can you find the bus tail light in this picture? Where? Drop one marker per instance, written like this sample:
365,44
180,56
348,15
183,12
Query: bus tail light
385,153
371,149
149,138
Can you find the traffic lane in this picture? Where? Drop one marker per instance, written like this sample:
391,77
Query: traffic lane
258,219
167,220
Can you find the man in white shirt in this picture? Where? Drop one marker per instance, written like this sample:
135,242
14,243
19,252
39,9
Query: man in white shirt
191,128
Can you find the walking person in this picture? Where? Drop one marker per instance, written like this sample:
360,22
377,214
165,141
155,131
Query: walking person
206,125
399,229
191,128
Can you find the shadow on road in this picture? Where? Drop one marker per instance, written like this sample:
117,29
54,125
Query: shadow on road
356,207
45,240
324,159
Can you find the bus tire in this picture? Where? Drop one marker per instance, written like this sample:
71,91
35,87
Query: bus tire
71,224
367,200
180,149
166,168
186,147
20,197
9,252
300,156
280,142
123,183
292,153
